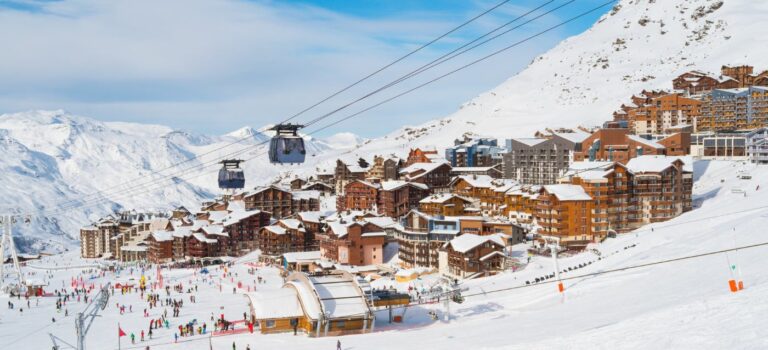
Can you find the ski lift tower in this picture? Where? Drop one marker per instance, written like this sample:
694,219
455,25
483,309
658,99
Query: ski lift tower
84,319
7,241
553,243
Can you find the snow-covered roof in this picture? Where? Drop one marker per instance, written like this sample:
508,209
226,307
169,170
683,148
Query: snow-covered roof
644,141
396,184
182,231
442,198
201,237
162,236
338,228
530,141
306,194
468,241
383,221
577,136
217,215
426,167
340,296
473,169
293,224
568,192
293,257
278,230
276,303
237,216
314,216
217,230
652,163
375,234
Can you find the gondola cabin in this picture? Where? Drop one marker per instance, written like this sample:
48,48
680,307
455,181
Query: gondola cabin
287,147
231,176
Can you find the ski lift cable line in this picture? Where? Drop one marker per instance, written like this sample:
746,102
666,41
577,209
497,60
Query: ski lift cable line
77,203
443,59
595,274
157,185
346,88
467,65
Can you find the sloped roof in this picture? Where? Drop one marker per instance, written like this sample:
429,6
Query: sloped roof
278,230
426,167
276,303
162,236
442,198
294,224
215,230
396,184
568,192
530,141
651,163
577,136
644,141
468,241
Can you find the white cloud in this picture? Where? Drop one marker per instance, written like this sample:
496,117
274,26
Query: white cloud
212,66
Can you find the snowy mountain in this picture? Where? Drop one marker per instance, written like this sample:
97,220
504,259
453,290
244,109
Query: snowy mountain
639,44
53,161
53,157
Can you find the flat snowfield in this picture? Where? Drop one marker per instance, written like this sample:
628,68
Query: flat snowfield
683,304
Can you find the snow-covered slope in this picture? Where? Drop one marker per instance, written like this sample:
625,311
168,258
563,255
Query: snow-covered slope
639,44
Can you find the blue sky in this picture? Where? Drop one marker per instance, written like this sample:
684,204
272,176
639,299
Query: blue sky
213,66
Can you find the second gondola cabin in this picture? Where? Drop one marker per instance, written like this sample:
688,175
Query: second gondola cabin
231,176
287,147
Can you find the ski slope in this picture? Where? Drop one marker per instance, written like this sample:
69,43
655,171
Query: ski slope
684,304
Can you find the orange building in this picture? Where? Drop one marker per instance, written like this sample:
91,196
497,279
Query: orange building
355,243
565,211
621,146
663,113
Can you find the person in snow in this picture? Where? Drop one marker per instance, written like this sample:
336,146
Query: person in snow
338,344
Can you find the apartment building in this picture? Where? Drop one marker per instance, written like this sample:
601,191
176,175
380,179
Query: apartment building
477,152
541,161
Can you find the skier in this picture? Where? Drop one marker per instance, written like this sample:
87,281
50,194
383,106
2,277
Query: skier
133,338
338,344
234,347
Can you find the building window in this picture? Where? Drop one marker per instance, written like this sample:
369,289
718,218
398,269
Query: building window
340,324
270,324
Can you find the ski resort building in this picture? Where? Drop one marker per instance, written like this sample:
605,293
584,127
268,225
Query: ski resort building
279,202
487,191
317,305
436,176
620,145
384,169
734,109
661,114
352,242
480,152
541,161
417,155
470,255
285,236
345,173
566,210
447,204
420,236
